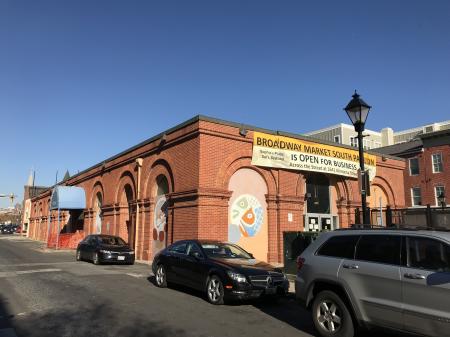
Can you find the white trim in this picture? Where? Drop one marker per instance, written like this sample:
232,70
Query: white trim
432,162
436,196
339,139
412,196
356,141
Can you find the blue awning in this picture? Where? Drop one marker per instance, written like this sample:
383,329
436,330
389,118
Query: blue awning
68,197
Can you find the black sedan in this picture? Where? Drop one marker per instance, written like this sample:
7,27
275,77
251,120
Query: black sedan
104,248
8,229
222,270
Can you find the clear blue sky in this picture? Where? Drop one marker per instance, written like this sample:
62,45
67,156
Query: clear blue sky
83,80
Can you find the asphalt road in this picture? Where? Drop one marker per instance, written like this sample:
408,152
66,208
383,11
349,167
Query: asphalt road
47,293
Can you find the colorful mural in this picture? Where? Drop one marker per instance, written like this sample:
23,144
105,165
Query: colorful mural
247,215
159,224
98,211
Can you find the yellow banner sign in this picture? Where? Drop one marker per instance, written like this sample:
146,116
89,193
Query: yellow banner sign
295,154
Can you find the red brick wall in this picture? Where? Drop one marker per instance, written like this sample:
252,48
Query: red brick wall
427,180
198,160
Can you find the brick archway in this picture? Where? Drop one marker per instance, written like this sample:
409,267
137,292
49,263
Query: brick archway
95,211
125,205
156,237
386,188
159,167
243,159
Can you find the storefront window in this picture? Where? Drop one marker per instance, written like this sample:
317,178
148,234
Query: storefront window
318,194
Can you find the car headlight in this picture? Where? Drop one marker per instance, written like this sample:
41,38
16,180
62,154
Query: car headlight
236,276
105,251
131,253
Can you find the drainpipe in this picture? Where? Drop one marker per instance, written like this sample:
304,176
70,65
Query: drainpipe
138,193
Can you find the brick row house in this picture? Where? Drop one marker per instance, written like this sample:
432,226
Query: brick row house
213,179
427,171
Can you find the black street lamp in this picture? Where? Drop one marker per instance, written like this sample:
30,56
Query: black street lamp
358,110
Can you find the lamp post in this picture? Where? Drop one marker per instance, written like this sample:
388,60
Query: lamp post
358,110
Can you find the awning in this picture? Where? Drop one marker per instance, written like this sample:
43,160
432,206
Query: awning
68,197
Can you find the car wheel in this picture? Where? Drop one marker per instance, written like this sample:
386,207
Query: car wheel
78,255
96,259
160,276
331,316
214,290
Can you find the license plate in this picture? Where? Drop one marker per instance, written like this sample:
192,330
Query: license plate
271,291
121,258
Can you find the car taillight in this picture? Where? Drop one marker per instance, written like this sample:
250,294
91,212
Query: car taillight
300,262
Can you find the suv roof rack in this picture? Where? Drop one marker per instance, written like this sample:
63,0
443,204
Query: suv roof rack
397,227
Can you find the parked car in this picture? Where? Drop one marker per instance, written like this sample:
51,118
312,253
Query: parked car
104,248
8,229
397,279
222,270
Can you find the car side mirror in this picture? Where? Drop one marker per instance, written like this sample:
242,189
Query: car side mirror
196,255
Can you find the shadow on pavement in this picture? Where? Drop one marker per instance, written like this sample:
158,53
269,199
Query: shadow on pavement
289,311
178,287
99,320
4,316
286,309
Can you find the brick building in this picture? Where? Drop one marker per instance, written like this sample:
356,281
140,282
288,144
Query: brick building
427,170
208,178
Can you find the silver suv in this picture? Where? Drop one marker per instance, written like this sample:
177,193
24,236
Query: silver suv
398,279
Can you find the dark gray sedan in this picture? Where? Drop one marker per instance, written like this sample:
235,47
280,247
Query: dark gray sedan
100,248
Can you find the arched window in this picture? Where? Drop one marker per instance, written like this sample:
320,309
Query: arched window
162,185
98,212
160,214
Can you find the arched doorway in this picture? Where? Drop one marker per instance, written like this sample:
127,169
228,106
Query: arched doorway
247,212
160,214
127,215
98,213
377,201
318,215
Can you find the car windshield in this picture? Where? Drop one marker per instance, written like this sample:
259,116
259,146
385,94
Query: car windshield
111,240
225,251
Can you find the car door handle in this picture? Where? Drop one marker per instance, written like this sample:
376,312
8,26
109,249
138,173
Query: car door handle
414,276
350,266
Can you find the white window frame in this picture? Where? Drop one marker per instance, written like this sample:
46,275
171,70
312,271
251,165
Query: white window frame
436,193
338,137
354,141
432,162
412,196
409,163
